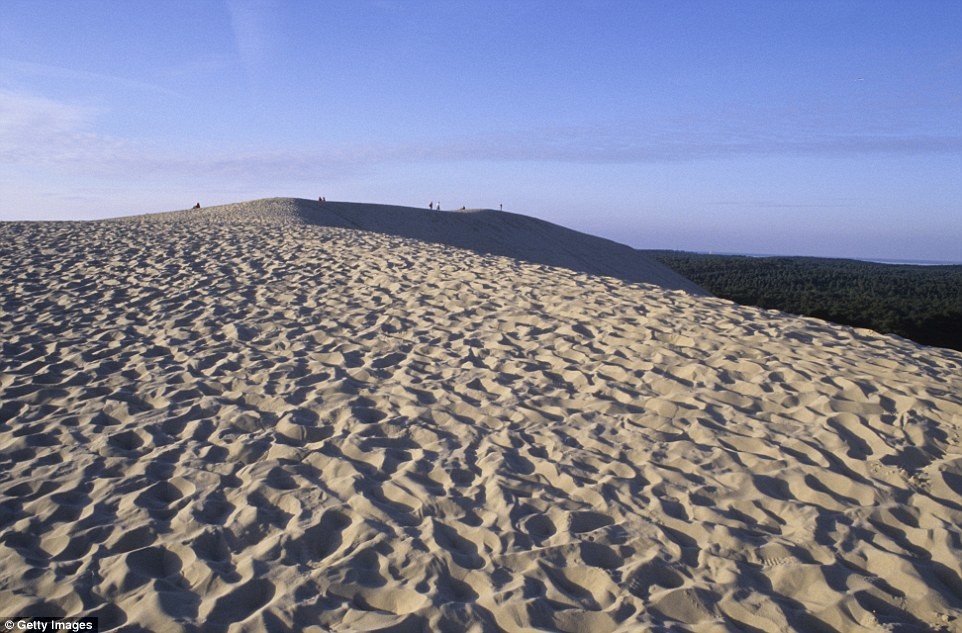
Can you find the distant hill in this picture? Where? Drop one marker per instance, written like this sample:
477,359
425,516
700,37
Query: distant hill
922,303
480,230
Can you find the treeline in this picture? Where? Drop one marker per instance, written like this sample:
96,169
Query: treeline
922,303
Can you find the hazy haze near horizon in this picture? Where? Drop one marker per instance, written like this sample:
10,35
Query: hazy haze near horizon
818,128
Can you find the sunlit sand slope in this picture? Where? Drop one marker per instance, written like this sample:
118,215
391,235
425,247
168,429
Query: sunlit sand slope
238,419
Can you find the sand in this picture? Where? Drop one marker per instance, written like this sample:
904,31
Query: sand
240,419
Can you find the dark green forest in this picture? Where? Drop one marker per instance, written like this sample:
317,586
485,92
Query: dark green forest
922,303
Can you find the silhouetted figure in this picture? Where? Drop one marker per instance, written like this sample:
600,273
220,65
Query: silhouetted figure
431,205
197,206
322,199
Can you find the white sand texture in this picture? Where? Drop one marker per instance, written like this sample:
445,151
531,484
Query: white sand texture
260,417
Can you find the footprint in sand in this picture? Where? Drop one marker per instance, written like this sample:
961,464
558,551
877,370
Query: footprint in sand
600,555
651,576
363,410
215,510
130,540
580,522
211,547
154,562
126,441
318,541
539,527
242,602
161,499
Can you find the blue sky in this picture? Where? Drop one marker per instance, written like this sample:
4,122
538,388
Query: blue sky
810,127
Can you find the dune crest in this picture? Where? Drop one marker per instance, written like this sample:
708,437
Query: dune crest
250,418
483,231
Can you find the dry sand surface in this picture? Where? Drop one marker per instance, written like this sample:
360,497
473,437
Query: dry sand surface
239,419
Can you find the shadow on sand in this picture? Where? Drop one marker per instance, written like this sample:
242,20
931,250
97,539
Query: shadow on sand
500,233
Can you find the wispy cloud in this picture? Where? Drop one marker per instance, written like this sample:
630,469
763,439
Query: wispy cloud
828,203
22,114
14,70
41,132
631,145
36,130
251,24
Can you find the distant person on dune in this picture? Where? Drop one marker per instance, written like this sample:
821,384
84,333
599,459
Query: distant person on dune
197,206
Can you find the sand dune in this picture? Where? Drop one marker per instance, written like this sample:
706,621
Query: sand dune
259,418
479,230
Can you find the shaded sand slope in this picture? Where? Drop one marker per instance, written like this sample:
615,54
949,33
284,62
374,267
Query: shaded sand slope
239,421
480,230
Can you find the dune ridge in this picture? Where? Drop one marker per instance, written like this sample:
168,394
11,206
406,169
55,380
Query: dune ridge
484,231
250,418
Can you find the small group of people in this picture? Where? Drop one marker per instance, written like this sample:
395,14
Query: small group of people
322,199
432,205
